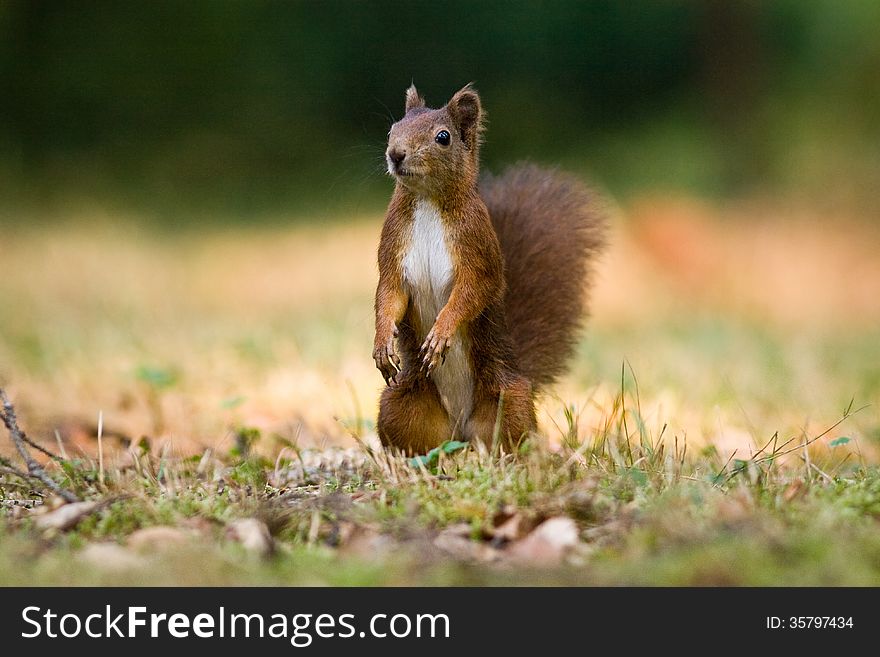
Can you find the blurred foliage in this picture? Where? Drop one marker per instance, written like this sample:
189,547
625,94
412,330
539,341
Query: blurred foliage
229,108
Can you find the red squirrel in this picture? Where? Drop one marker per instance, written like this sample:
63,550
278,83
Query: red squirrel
482,283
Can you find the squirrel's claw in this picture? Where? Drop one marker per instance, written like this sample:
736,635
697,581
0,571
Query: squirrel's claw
387,360
387,371
433,352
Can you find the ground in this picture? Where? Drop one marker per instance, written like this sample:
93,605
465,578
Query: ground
720,423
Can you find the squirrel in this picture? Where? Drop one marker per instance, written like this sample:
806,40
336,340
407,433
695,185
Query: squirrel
482,282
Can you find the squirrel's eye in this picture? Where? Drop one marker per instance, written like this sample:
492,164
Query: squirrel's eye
442,138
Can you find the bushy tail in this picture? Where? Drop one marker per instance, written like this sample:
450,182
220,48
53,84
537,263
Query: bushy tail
551,229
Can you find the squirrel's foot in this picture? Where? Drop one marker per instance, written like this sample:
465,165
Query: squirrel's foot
387,360
433,351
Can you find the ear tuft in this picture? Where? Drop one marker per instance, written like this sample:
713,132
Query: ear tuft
467,112
413,99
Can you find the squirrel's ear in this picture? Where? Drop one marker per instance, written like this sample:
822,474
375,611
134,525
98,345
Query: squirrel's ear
467,112
413,100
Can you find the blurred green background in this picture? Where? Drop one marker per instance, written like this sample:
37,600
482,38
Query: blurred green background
228,110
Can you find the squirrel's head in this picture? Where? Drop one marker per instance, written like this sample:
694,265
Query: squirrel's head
436,151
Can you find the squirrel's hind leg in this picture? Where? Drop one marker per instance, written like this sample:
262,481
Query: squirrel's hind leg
517,419
411,416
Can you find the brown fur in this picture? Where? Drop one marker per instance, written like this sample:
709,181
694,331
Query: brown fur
551,230
541,233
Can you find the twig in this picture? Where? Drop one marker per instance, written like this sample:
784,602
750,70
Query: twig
19,439
36,446
42,449
12,470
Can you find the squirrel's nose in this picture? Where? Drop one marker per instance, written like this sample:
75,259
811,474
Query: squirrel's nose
396,156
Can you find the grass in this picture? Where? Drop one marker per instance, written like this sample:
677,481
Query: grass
719,425
644,515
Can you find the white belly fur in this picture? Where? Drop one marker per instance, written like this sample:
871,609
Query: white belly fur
427,269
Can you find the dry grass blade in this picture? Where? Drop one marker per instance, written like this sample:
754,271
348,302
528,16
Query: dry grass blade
782,452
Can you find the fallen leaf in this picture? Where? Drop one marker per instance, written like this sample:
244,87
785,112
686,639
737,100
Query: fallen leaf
510,530
199,524
365,542
547,544
513,528
462,529
459,546
151,539
607,531
253,535
503,514
65,517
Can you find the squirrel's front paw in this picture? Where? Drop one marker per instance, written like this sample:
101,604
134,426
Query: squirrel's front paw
387,360
433,351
